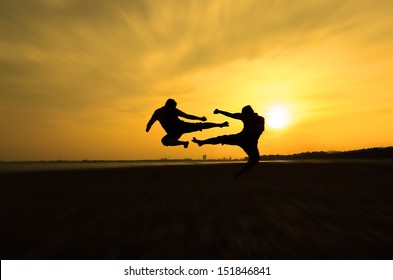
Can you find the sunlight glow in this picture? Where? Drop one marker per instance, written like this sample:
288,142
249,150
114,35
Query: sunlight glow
88,91
277,117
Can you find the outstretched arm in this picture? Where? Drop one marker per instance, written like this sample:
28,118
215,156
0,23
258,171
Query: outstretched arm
151,121
230,115
190,117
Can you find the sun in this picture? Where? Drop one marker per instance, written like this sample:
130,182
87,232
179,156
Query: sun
277,117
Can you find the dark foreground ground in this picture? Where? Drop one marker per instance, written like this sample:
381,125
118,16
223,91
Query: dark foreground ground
335,210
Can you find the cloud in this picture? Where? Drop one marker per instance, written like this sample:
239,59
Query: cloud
75,60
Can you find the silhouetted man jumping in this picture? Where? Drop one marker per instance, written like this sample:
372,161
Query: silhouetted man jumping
247,139
168,116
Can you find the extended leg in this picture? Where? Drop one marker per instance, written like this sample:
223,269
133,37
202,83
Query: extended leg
193,127
208,125
210,141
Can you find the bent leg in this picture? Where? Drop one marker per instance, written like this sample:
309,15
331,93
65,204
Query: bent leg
253,158
173,141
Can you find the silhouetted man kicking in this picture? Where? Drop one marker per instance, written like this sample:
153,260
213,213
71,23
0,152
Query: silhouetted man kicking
168,116
247,139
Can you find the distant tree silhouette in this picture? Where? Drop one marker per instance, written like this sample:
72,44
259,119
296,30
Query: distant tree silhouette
168,116
370,153
247,139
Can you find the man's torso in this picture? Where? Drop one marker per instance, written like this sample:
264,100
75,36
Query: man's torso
169,119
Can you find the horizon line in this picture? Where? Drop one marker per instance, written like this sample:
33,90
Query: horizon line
196,159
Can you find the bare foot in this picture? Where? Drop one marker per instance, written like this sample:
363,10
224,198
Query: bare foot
224,124
197,141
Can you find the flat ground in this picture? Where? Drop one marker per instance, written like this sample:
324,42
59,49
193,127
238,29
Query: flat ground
281,210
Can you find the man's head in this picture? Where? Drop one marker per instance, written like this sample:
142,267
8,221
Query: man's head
170,104
247,110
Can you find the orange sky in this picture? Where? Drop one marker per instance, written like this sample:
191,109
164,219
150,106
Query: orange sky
79,79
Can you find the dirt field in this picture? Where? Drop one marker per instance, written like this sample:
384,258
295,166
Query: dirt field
280,210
